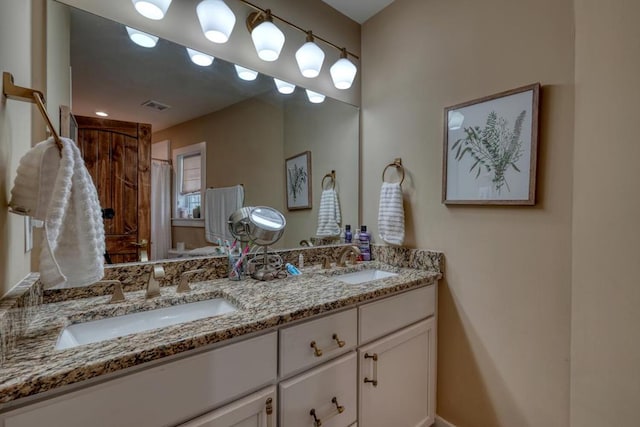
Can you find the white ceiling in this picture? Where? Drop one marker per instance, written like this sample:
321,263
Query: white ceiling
358,10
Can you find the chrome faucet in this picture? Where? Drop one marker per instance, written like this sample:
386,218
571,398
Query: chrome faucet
183,286
354,251
153,285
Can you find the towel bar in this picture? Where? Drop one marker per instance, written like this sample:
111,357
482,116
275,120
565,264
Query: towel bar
397,163
332,177
33,96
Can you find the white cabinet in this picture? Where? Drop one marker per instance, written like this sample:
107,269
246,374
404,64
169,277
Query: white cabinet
256,410
163,395
324,396
396,381
307,344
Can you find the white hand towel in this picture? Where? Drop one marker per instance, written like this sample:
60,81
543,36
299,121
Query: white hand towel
73,246
329,218
219,204
391,214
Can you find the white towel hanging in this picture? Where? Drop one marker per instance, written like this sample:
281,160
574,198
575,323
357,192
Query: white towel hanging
67,201
329,217
219,204
391,213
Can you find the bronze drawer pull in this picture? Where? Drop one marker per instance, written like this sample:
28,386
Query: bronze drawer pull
315,348
374,380
269,411
339,341
317,422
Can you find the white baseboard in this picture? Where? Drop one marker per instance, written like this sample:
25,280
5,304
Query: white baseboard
441,422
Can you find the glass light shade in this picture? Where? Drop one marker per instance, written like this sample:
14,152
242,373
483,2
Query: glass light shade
310,58
315,97
245,73
342,73
152,9
268,41
284,87
216,20
455,120
142,39
199,58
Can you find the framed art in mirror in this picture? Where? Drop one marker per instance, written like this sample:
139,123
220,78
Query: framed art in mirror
298,176
490,149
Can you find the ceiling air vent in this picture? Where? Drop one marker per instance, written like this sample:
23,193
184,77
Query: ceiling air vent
155,105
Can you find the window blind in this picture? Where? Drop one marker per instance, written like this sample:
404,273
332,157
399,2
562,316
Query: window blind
191,174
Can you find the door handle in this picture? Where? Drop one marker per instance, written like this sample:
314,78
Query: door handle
374,380
141,244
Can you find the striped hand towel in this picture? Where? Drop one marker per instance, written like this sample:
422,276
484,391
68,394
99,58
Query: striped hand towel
391,214
329,214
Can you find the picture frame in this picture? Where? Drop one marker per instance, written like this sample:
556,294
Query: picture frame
298,181
490,149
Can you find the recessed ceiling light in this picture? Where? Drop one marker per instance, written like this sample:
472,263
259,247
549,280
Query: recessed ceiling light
101,114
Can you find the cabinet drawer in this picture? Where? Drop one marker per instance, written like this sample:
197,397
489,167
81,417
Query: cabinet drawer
297,352
390,314
163,395
315,390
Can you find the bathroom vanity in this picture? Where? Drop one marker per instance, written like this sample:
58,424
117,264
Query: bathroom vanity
308,350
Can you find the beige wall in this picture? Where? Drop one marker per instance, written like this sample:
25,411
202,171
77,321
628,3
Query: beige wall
605,353
15,136
244,146
329,130
504,328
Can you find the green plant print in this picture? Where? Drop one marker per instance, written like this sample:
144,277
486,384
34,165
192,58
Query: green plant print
297,179
496,148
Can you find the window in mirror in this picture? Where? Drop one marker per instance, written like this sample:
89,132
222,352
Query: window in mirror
190,181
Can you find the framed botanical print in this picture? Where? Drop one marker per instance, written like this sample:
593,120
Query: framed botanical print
490,149
298,177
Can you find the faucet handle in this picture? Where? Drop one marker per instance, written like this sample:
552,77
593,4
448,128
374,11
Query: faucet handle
118,294
326,262
158,271
183,285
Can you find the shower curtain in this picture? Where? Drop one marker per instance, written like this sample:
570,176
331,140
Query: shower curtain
160,209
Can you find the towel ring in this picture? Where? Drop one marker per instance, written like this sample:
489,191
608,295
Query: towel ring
332,177
397,163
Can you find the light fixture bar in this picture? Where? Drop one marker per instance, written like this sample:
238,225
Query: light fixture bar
302,30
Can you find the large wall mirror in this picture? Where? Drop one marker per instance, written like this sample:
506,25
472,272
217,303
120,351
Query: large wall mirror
248,127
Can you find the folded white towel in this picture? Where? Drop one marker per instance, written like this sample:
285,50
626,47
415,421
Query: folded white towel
73,246
329,217
219,204
391,214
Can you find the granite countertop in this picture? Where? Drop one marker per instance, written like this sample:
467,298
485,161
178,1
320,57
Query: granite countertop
34,366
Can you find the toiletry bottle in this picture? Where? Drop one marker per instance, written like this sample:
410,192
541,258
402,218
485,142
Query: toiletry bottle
300,261
364,244
347,234
356,236
236,269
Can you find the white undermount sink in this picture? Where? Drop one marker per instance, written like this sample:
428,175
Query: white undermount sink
364,276
113,327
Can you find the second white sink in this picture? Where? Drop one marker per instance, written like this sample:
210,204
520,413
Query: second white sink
364,276
113,327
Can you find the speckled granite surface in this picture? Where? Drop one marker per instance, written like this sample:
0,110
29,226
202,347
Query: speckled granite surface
34,366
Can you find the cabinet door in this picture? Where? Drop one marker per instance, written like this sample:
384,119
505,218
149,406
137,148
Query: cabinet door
256,410
397,378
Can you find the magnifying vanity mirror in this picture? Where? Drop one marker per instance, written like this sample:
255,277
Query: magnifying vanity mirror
248,128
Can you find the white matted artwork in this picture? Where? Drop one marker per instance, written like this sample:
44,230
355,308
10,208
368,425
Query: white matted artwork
490,149
298,181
